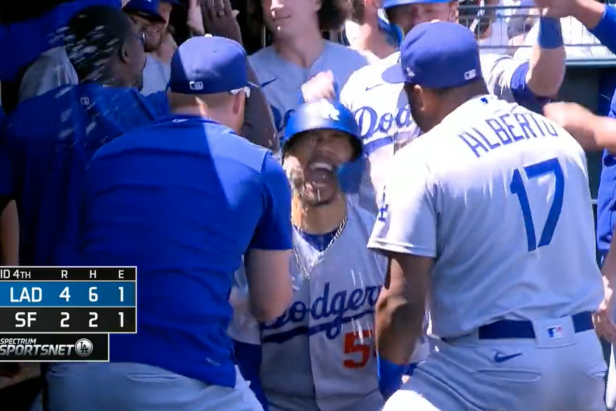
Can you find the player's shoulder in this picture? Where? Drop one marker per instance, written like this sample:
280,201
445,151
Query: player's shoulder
374,72
206,138
48,110
262,57
369,77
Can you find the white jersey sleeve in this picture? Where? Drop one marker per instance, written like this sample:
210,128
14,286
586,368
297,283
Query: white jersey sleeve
498,71
407,216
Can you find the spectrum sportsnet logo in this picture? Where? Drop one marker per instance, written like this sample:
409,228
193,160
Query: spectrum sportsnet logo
40,348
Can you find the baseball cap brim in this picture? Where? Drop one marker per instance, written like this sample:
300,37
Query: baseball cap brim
394,75
154,18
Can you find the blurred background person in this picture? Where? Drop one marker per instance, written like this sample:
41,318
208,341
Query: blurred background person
368,30
48,156
53,68
156,72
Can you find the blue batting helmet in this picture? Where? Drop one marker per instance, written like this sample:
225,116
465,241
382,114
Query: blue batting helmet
323,115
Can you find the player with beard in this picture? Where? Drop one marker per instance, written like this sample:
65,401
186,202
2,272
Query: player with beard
156,73
319,355
382,109
300,65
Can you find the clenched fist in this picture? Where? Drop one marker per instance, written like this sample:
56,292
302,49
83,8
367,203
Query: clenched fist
319,87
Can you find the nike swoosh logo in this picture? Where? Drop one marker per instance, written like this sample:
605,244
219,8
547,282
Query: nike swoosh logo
498,358
267,83
374,86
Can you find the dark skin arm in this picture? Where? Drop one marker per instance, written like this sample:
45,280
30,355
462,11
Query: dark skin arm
401,306
9,235
220,20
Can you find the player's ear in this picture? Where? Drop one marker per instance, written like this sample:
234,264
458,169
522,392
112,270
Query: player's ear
238,103
124,54
454,12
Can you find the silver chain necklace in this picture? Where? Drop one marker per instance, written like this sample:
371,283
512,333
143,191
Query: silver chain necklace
300,263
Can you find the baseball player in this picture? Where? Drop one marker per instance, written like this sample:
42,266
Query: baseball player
301,66
319,355
207,197
496,225
383,113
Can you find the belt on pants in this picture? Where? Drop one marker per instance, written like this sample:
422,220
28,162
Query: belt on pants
512,329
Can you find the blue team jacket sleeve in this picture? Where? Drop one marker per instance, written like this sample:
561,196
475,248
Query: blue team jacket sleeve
248,357
523,95
274,231
606,28
24,41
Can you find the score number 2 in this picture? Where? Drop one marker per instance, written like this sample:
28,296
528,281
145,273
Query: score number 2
551,166
354,344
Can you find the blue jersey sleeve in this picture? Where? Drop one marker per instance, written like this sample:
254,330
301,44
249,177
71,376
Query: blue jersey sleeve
274,231
606,28
24,41
523,95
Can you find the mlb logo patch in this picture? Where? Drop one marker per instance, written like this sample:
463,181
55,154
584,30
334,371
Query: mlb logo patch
555,332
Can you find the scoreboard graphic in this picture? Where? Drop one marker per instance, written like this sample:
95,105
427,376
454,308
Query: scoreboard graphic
63,314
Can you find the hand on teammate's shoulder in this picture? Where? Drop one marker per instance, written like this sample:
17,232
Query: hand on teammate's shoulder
577,120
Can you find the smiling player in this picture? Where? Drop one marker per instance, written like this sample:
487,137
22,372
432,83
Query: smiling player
319,355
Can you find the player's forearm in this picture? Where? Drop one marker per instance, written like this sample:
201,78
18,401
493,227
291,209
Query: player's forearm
604,131
258,122
398,327
599,19
609,270
547,63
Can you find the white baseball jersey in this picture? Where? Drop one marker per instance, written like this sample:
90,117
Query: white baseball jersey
319,355
156,75
281,80
499,197
384,116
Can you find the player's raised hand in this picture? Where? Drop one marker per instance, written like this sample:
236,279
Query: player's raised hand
557,8
577,120
319,87
220,19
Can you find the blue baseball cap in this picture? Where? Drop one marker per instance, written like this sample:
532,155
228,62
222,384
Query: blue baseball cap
394,3
209,65
437,55
148,9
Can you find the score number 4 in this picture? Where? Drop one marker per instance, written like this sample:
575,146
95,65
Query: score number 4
551,166
354,343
